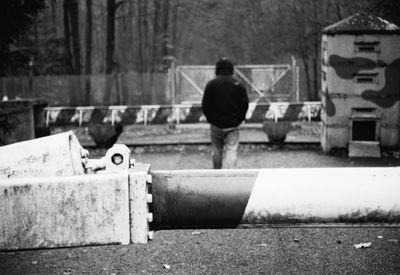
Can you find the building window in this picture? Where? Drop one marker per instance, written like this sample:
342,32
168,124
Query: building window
366,78
367,47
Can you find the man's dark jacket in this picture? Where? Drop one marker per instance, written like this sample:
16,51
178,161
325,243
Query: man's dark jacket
225,101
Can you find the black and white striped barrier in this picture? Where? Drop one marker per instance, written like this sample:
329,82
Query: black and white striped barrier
179,114
229,198
121,201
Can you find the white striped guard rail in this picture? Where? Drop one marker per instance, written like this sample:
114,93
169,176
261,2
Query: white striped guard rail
178,113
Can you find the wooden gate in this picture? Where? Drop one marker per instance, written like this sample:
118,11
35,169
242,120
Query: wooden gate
264,83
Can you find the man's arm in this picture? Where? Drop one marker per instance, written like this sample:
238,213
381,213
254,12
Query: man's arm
205,102
244,103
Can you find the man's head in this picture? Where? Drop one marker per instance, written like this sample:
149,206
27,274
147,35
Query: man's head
224,67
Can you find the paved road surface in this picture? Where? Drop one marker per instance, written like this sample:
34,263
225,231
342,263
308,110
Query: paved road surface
233,251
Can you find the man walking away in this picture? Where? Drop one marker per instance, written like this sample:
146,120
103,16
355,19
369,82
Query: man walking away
225,103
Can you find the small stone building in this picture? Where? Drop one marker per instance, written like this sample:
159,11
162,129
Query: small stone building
360,87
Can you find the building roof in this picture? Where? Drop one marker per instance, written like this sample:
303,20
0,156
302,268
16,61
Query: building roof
361,23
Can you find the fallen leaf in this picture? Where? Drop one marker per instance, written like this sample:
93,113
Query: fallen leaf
34,262
67,271
363,245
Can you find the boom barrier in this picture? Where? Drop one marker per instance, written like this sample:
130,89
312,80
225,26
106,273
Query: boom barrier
178,113
228,198
121,201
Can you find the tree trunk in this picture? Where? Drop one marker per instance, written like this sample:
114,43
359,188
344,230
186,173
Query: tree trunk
308,78
146,35
88,65
67,36
110,40
76,49
156,36
316,50
140,36
174,20
4,51
166,39
110,47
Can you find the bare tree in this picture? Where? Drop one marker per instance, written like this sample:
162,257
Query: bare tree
72,39
88,55
67,37
110,36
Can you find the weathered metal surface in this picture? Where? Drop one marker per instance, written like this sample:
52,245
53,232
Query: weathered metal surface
64,211
56,155
227,198
200,198
360,69
325,195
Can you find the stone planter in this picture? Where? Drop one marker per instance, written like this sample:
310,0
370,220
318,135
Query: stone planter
276,131
105,135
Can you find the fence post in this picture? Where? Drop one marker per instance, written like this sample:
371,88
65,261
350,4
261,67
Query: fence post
3,87
172,79
297,84
295,74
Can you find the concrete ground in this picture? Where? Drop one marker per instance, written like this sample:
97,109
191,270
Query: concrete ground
295,250
230,251
194,134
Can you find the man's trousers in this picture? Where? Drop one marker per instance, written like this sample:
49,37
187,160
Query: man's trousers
225,144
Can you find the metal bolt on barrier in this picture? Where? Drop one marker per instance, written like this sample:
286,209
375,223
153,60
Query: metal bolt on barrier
118,158
150,217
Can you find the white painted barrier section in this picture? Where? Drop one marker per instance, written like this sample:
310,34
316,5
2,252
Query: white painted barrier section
283,196
325,194
55,155
64,211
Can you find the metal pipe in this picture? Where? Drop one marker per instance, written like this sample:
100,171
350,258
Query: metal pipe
228,198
